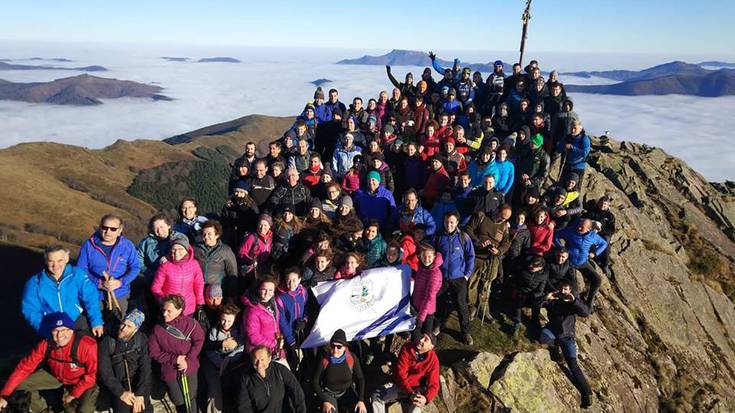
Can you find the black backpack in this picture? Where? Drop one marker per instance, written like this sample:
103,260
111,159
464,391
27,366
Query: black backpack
78,335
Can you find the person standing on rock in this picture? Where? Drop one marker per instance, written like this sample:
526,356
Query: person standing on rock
574,149
579,239
562,308
415,379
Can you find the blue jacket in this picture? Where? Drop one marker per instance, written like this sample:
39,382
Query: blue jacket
440,209
73,294
506,175
419,216
451,106
464,204
150,250
478,173
291,306
373,249
579,245
440,69
323,113
379,205
342,159
459,255
576,156
122,263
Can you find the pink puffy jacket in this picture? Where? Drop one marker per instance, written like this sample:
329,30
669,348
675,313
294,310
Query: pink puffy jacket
184,278
259,324
427,283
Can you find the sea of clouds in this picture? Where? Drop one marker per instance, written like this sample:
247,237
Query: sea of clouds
277,82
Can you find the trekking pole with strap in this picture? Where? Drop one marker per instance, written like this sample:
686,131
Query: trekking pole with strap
185,391
563,164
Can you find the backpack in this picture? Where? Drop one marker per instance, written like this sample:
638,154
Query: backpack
136,348
350,361
78,335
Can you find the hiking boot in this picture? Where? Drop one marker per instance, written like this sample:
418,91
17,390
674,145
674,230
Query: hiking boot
436,331
468,339
555,354
586,401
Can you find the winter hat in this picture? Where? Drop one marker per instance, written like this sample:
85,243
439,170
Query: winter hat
337,111
537,140
267,218
498,63
346,200
431,336
377,155
467,70
452,92
534,192
181,239
561,192
339,337
283,208
389,129
319,93
445,90
573,176
373,175
242,185
55,320
452,141
213,291
316,203
136,317
372,118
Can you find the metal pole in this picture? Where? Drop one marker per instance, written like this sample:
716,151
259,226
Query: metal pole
525,18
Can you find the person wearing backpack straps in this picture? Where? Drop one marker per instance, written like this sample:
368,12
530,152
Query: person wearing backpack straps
175,344
338,380
125,366
458,255
269,387
70,361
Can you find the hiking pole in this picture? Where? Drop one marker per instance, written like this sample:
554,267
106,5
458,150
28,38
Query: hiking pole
561,167
525,18
185,391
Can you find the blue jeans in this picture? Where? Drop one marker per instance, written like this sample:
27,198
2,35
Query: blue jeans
569,350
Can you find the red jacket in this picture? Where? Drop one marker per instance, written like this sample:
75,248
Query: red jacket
542,237
60,365
436,185
410,255
432,145
427,283
411,373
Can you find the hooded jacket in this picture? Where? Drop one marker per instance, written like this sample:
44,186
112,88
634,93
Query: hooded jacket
563,316
576,156
182,277
342,159
256,248
374,249
531,283
164,348
506,175
479,171
437,183
117,358
121,264
150,250
60,364
73,294
428,282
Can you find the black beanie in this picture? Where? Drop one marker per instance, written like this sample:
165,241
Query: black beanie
339,337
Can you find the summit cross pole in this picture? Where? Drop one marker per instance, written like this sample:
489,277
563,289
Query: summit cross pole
525,18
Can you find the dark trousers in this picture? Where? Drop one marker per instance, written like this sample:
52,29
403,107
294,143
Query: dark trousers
521,300
345,402
592,279
176,393
454,291
43,380
119,407
569,350
604,259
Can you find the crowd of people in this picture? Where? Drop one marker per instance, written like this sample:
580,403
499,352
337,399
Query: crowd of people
449,178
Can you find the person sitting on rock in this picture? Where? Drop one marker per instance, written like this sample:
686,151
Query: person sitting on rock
415,379
599,212
563,307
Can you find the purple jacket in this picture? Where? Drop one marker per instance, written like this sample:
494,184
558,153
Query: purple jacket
427,283
291,307
164,347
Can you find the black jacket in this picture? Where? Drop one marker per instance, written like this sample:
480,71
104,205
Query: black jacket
267,395
487,202
563,316
299,196
606,218
557,273
520,241
531,283
112,357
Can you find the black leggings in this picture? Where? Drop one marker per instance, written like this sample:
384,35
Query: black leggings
176,393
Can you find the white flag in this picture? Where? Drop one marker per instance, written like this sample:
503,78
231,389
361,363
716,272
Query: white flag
375,303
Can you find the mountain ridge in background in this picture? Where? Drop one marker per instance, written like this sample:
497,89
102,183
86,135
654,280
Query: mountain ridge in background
11,66
664,326
80,90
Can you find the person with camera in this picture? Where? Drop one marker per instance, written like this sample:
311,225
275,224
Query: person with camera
563,308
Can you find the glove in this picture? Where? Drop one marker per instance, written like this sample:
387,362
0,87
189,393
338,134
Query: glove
432,56
387,68
299,325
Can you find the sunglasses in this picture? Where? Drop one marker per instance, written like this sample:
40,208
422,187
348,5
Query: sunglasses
110,229
337,346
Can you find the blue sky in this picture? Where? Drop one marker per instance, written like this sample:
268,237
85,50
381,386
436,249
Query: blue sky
580,26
